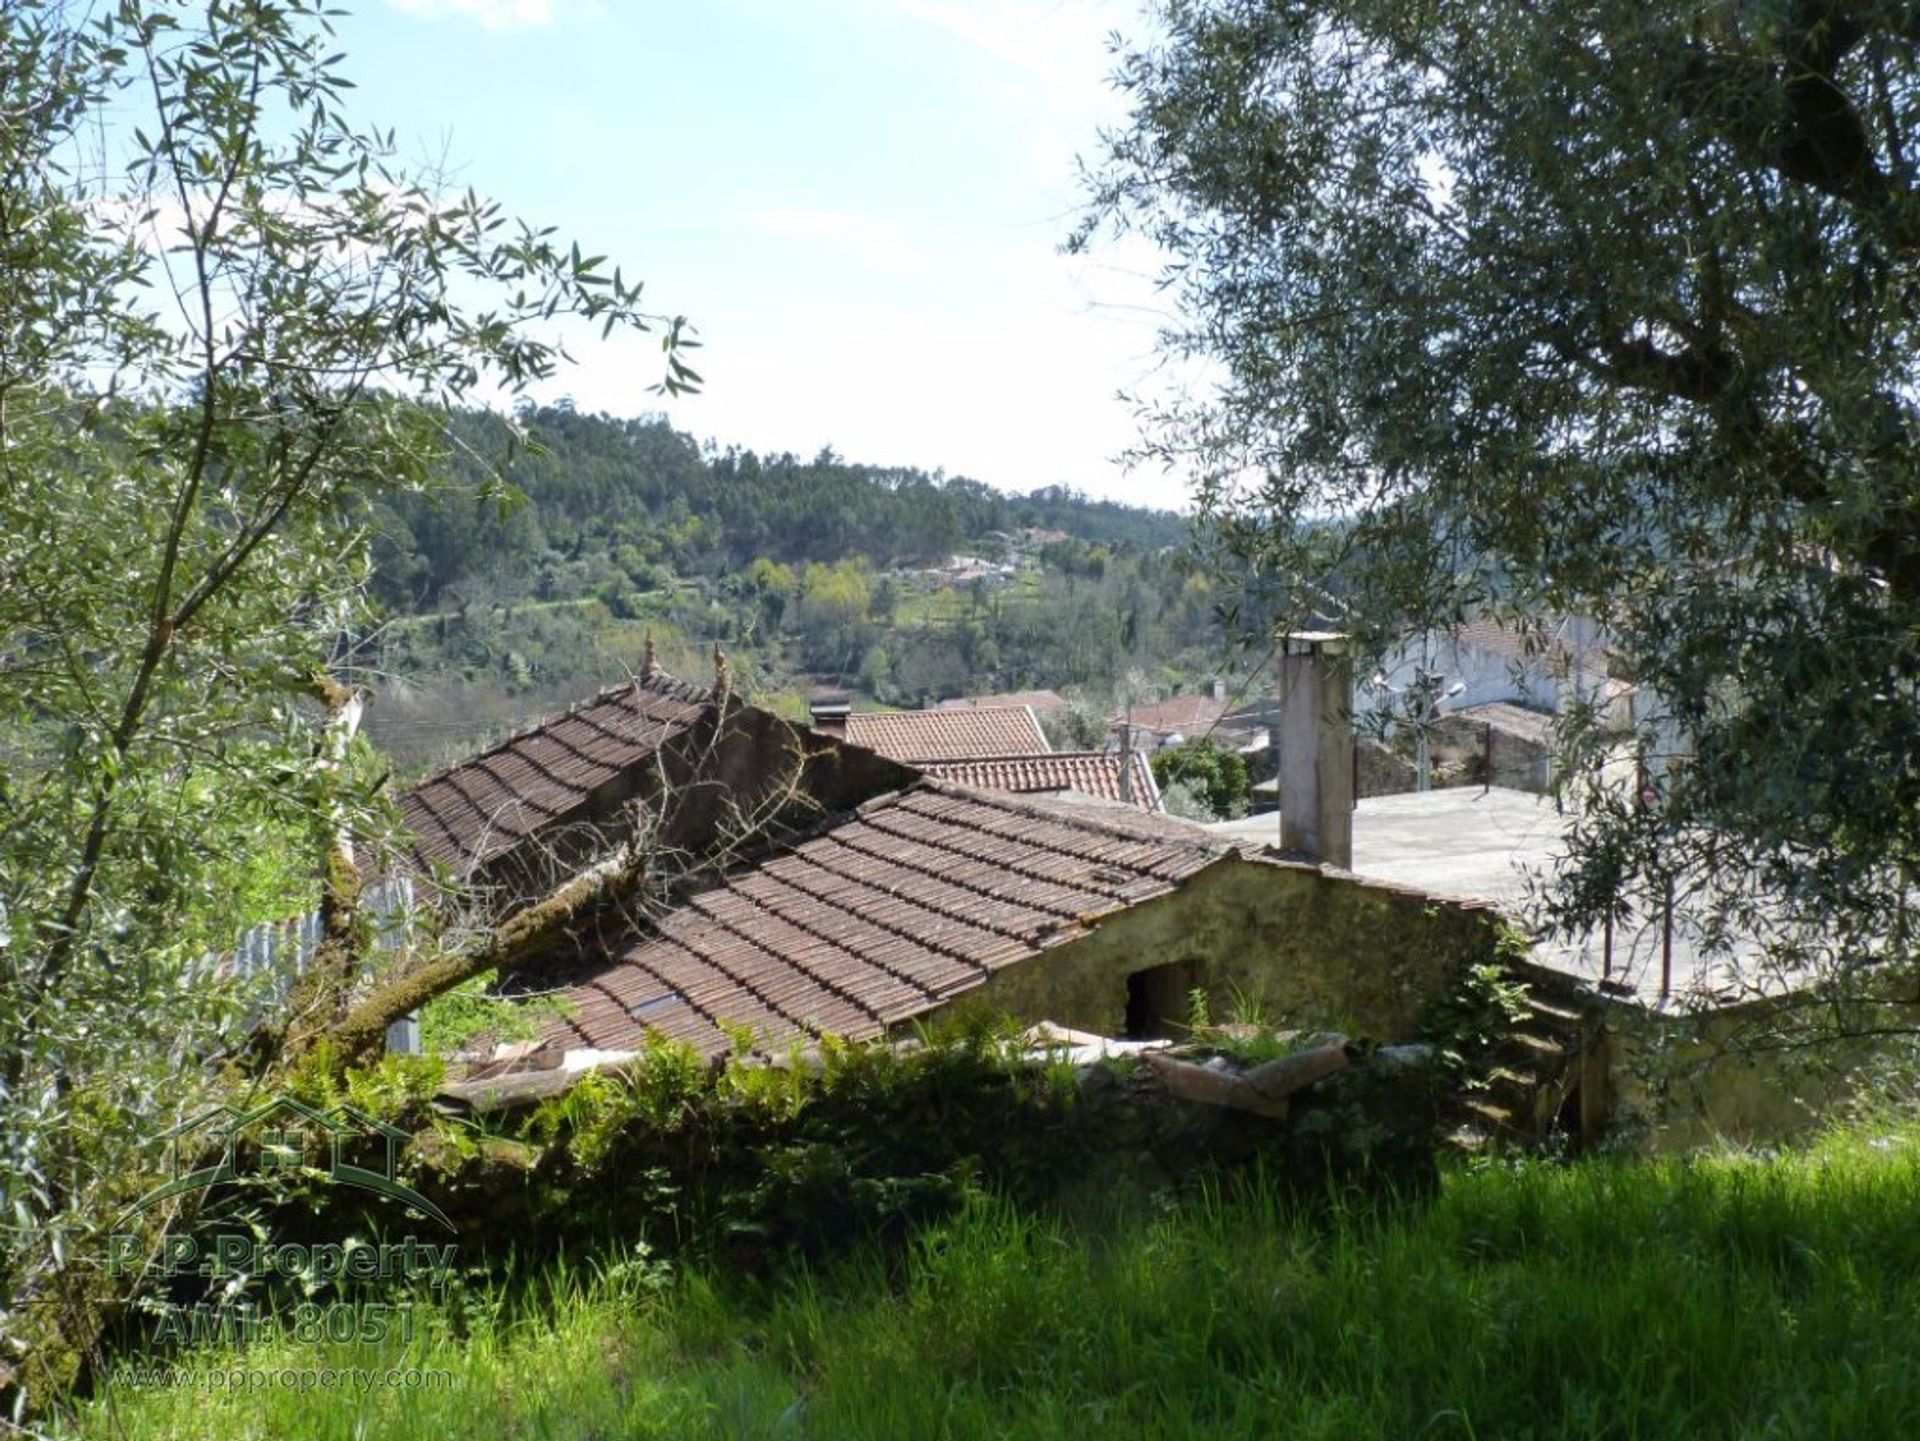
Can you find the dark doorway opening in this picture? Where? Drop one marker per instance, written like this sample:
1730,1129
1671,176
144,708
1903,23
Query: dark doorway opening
1567,1116
1158,1002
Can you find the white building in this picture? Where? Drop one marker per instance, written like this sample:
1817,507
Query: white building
1542,667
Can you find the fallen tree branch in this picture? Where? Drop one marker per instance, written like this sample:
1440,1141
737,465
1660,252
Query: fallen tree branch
527,936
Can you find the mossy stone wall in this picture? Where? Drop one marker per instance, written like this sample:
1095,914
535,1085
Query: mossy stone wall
1304,945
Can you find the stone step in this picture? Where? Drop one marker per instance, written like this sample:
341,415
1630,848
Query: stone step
1538,1045
1490,1113
1552,1011
1470,1139
1509,1086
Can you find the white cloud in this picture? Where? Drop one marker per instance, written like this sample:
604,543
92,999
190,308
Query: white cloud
1062,42
494,14
872,240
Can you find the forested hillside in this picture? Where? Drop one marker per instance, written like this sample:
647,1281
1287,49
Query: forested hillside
608,498
905,586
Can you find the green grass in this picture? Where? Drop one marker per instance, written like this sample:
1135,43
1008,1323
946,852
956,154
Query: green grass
1724,1296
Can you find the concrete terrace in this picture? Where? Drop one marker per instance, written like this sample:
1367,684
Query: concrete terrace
1468,844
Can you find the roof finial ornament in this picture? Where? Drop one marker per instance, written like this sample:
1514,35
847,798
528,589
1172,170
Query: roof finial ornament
722,673
649,661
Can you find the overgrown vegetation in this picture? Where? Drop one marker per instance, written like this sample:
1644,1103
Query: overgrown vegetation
232,316
1587,308
745,1161
470,1010
1728,1295
1213,775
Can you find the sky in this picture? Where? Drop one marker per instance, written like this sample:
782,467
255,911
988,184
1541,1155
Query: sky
859,204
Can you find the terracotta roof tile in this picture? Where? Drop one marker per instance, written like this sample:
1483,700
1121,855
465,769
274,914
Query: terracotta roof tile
1087,773
1187,715
922,735
1038,701
882,915
477,811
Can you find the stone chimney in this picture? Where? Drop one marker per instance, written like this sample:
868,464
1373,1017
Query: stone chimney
1217,688
828,715
1316,747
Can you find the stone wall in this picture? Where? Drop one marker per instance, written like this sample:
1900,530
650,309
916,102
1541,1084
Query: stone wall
1471,748
1304,945
753,1165
1382,771
1675,1082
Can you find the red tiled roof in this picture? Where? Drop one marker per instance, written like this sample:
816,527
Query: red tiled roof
477,811
1190,715
885,914
925,735
1040,701
1088,773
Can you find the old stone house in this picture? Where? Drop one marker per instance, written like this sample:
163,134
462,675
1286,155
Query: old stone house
867,894
1099,919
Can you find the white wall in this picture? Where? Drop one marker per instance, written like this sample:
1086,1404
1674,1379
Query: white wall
1488,675
1539,682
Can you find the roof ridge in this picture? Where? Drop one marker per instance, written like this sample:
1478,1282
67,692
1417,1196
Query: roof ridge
1080,755
965,712
1019,756
1107,823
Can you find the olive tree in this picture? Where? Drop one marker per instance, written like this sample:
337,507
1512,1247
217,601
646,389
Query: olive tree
229,318
1581,307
